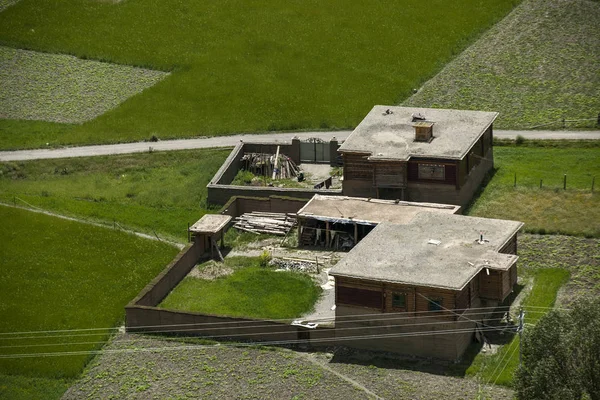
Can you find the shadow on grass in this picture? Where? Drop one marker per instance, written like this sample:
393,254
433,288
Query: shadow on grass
486,180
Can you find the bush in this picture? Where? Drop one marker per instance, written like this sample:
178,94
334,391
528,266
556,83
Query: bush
561,355
264,258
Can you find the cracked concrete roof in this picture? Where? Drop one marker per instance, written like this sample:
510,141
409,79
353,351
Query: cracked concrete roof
391,136
367,211
402,253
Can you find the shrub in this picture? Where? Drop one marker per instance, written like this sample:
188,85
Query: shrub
264,258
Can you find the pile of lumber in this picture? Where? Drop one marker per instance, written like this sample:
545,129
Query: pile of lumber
264,222
276,166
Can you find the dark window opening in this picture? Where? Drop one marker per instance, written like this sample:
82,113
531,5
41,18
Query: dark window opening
399,300
434,304
359,297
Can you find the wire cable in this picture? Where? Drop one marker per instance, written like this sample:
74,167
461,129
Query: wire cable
238,335
271,343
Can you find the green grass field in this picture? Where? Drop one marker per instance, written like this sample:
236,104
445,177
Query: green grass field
249,291
535,67
500,367
246,67
59,275
549,209
149,192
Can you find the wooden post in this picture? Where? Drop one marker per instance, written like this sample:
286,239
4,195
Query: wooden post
275,164
216,247
565,182
317,262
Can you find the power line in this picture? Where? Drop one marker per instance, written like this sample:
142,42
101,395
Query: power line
237,335
418,314
506,365
271,343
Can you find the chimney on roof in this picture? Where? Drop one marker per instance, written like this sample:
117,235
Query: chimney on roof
423,131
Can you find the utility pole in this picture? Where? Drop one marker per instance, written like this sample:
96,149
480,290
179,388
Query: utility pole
520,330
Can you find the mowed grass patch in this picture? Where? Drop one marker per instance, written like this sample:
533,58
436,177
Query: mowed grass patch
241,66
152,192
16,387
500,367
61,275
537,66
549,209
251,291
65,89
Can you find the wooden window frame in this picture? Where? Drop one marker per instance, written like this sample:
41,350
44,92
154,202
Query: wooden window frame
435,304
433,166
399,295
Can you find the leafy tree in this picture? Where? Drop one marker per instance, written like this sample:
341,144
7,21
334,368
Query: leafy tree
561,355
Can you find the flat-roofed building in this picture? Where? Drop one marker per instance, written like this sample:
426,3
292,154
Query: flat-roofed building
419,154
421,288
339,222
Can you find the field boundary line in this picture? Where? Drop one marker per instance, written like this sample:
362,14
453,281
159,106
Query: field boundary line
339,375
83,221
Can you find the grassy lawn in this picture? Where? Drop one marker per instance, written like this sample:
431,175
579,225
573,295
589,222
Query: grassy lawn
537,66
500,367
61,88
562,269
549,209
150,192
58,275
247,67
249,291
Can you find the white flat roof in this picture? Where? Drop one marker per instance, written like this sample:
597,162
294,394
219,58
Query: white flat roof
210,223
392,135
368,211
403,253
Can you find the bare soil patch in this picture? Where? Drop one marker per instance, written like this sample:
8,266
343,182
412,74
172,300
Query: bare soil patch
210,271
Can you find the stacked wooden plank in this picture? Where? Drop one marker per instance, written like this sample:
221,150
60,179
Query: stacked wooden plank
265,222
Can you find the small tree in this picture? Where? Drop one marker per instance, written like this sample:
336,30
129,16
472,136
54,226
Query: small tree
561,355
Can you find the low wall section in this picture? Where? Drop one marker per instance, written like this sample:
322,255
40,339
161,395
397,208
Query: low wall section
220,194
237,206
220,189
143,315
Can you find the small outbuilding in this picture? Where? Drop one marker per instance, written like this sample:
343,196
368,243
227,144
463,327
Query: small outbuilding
208,230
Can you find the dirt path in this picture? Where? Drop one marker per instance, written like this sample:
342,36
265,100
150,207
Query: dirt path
35,209
230,141
311,359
